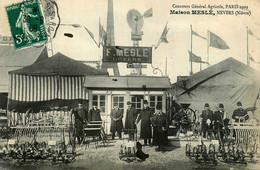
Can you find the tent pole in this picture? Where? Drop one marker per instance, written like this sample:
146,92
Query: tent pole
248,62
208,47
191,50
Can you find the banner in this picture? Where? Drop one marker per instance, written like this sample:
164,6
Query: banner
217,42
127,54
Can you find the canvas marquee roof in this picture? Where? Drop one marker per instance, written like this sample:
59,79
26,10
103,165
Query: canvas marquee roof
227,82
10,60
59,64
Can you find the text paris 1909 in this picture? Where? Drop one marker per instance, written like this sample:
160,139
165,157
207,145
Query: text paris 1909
199,9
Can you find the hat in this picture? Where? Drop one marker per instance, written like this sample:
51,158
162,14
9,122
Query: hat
221,105
158,107
145,102
239,104
206,105
128,103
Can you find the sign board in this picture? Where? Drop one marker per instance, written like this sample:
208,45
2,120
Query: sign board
11,142
135,66
127,54
51,142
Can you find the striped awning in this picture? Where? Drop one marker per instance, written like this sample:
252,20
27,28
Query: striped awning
26,88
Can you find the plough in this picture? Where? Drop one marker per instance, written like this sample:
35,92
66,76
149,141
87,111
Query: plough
200,153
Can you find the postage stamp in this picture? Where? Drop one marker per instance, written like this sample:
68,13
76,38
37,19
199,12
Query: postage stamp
27,23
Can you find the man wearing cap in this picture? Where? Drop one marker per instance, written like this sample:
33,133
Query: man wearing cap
206,119
145,117
131,115
116,121
160,126
94,114
240,113
81,118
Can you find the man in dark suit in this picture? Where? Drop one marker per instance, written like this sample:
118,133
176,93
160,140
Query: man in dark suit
131,115
81,118
116,121
207,117
220,122
94,114
145,117
240,113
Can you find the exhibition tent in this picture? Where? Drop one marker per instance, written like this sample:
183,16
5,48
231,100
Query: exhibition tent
53,82
227,82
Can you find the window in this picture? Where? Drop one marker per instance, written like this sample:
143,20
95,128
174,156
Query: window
120,101
100,102
154,100
137,101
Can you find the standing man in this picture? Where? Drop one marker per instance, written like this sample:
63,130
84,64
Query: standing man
131,114
240,113
207,117
220,122
160,126
94,114
116,121
145,117
81,118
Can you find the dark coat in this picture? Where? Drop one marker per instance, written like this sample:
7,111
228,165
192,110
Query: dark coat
206,114
94,115
145,117
81,116
160,121
131,115
240,113
218,117
116,125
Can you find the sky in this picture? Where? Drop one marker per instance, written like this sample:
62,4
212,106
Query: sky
231,28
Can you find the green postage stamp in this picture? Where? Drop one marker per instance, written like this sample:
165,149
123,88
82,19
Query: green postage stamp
27,23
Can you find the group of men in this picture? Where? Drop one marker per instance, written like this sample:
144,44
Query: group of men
217,122
158,120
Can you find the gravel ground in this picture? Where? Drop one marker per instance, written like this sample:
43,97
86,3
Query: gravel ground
107,157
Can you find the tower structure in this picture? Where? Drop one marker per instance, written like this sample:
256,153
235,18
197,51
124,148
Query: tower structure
110,37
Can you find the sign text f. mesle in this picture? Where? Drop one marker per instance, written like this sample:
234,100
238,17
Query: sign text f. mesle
127,54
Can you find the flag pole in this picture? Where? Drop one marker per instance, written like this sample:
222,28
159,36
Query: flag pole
208,47
248,62
166,67
191,49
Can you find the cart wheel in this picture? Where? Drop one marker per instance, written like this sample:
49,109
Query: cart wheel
72,136
191,115
196,153
187,150
212,149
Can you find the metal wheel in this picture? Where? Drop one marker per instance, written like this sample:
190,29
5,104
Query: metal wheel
187,150
191,115
196,153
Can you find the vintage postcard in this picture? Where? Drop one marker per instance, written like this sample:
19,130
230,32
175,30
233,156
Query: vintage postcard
133,84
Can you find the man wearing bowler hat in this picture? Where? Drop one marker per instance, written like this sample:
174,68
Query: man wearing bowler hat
240,113
116,121
131,115
206,119
145,117
81,118
220,121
